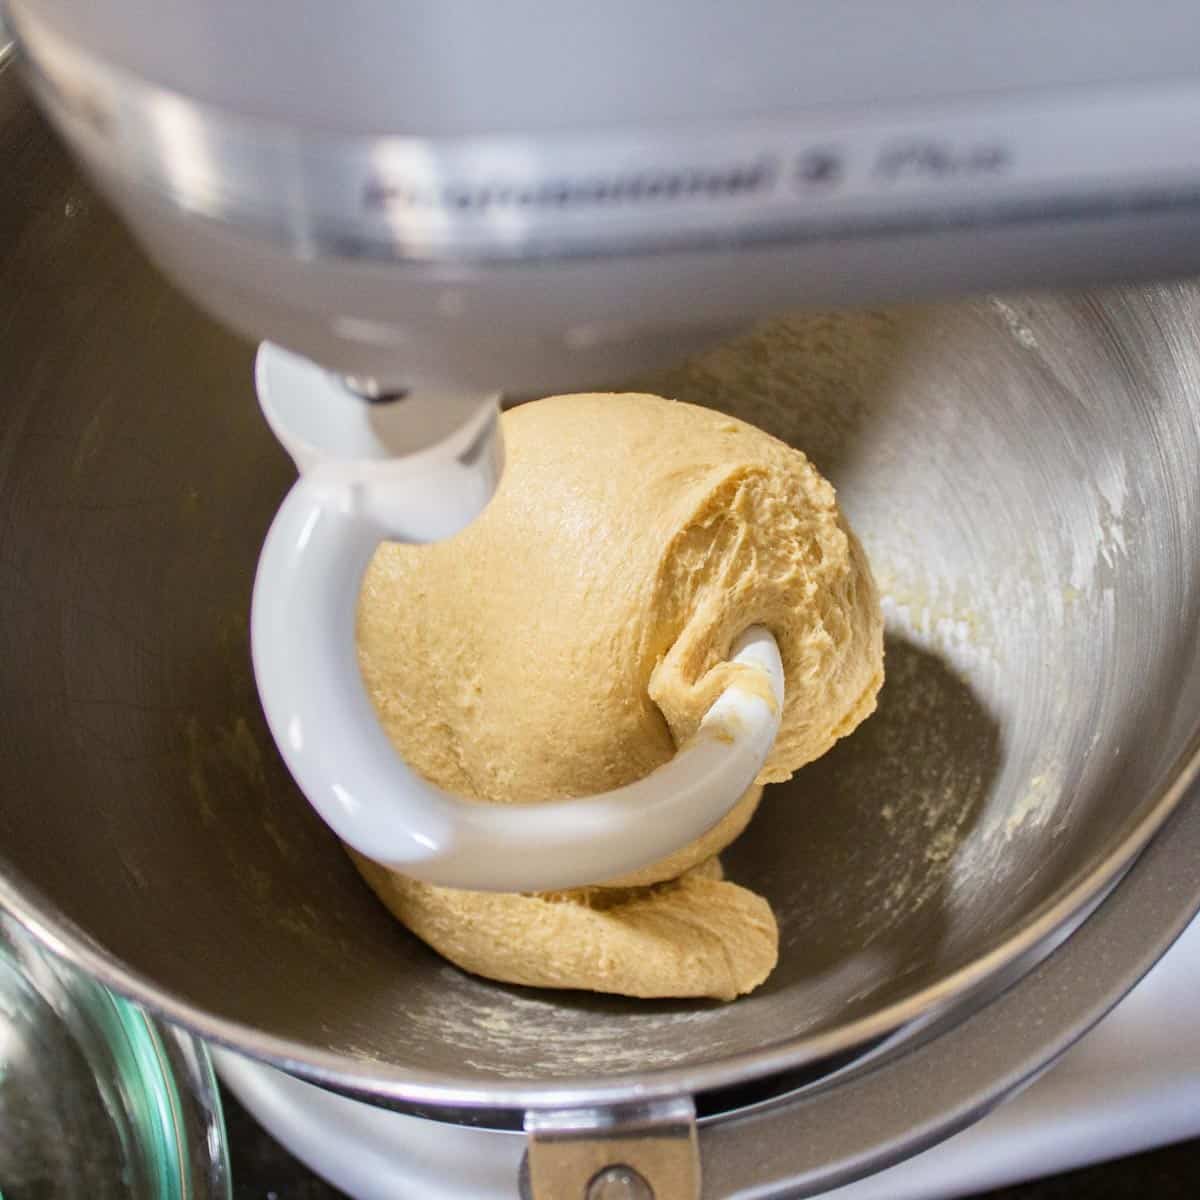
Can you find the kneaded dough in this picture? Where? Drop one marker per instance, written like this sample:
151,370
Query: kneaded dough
569,639
695,936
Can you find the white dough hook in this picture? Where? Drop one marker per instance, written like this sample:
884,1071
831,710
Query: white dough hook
353,493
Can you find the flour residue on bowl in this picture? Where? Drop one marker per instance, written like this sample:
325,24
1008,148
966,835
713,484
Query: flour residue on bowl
1036,804
543,1035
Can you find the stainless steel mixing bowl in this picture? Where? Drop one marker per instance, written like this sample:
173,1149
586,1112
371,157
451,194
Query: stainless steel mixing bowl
1023,473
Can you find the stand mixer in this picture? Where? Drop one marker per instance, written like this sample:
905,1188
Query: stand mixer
410,233
437,205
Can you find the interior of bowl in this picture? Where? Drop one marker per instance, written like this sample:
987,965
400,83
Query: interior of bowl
1022,473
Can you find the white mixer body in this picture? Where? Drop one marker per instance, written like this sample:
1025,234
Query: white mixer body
534,199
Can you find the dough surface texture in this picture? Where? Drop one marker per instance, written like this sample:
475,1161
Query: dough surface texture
575,634
696,936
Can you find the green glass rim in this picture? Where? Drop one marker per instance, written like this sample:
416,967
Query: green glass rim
171,1129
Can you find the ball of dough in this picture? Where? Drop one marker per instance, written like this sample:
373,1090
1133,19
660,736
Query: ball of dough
696,936
570,638
577,632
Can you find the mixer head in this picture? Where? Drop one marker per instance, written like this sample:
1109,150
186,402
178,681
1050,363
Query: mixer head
532,203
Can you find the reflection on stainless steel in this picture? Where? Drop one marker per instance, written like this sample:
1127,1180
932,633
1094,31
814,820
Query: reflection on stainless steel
1024,476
